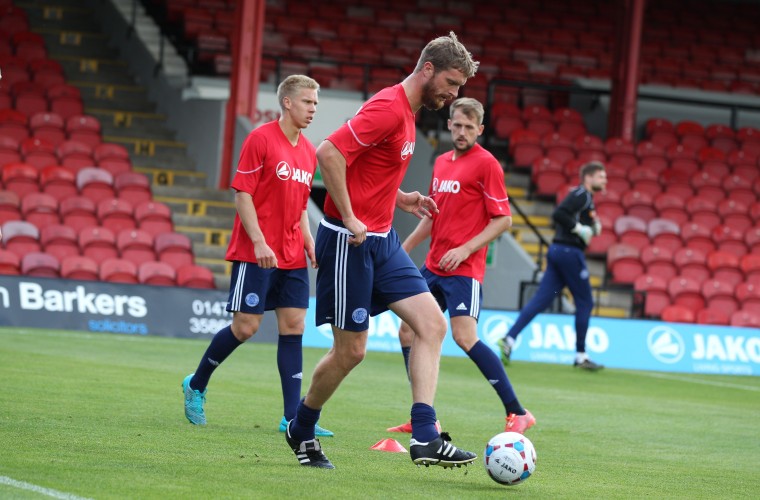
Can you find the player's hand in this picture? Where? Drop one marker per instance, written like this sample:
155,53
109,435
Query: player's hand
311,254
583,231
451,259
416,203
358,231
265,257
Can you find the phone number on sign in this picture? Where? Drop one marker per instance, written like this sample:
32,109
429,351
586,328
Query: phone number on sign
204,324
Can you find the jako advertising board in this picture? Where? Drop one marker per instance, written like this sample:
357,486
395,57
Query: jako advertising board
550,338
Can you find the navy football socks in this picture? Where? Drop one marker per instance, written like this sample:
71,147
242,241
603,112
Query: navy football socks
302,427
222,345
290,366
492,369
423,423
405,351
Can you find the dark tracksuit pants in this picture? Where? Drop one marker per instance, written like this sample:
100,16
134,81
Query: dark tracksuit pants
565,266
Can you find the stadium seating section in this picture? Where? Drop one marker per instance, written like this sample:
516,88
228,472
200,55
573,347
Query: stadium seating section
70,204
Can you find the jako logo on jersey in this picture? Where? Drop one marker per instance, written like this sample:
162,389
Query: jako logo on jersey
285,172
407,150
448,186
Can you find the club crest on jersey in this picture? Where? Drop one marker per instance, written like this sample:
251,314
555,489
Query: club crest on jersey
285,172
407,150
446,186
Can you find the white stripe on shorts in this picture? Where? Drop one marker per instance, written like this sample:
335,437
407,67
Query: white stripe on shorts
475,299
237,294
341,260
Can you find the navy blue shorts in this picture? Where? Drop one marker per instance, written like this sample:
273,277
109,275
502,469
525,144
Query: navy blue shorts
460,295
278,287
356,282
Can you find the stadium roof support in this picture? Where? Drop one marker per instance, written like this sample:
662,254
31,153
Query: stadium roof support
247,40
625,71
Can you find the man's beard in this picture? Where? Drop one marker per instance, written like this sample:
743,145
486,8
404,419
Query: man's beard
430,98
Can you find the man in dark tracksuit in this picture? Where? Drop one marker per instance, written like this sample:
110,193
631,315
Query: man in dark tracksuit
576,223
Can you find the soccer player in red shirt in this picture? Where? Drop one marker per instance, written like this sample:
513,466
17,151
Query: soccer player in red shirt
473,210
268,246
363,269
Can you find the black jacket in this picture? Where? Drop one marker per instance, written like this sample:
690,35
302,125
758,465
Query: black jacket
578,206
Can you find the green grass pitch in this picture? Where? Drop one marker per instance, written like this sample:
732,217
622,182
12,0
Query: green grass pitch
100,416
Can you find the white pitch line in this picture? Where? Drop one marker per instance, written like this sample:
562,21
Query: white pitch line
38,489
699,381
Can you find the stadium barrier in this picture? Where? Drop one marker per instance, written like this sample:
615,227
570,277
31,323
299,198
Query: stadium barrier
197,313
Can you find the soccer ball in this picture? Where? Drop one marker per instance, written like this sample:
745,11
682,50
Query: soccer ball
510,458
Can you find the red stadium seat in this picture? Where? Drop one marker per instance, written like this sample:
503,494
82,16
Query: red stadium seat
719,295
748,295
712,317
156,273
657,297
40,209
739,188
632,231
724,266
558,148
38,152
78,212
624,263
686,292
678,314
525,147
639,204
698,236
691,263
658,261
750,266
75,155
118,271
115,214
60,241
154,217
707,185
747,318
95,183
78,267
98,243
10,263
133,186
48,127
135,245
735,214
21,237
729,239
670,207
58,182
665,233
84,128
20,178
175,249
194,276
40,264
10,207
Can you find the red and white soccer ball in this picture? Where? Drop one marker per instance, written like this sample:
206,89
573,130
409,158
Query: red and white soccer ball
510,458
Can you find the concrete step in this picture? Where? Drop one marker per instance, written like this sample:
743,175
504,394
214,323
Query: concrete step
172,177
58,14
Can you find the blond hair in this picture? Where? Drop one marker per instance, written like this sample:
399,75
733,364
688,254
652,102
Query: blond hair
470,107
447,52
293,84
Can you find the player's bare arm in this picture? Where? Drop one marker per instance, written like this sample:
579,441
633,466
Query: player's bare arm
416,203
420,233
265,257
308,239
496,226
333,167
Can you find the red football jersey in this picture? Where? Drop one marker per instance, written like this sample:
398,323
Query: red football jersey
469,192
278,176
377,143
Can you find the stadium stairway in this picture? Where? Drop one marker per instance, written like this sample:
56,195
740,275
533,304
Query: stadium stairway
129,118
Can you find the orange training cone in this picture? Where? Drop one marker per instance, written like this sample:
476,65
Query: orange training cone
388,445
